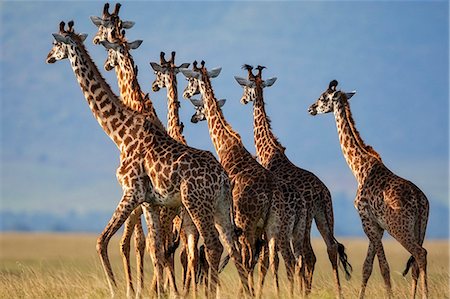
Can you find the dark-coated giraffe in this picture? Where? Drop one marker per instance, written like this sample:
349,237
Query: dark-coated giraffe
166,77
384,201
315,195
257,196
154,170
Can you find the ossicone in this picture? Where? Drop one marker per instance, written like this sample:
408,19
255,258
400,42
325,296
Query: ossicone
333,84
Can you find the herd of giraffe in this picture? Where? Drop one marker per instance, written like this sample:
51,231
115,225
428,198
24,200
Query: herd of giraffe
254,208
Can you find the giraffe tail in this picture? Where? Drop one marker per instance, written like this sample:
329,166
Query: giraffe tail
202,265
344,260
408,265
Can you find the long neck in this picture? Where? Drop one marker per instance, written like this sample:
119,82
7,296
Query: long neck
174,125
360,158
130,90
222,135
104,104
267,145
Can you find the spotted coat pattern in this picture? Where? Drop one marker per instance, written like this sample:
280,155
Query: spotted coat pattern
383,200
312,199
257,196
154,169
166,73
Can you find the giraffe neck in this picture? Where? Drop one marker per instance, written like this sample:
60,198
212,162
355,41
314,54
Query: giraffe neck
360,158
130,91
174,125
226,141
104,104
267,145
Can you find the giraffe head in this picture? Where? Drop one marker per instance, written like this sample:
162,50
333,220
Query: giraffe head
199,106
165,70
194,78
110,25
329,99
253,84
63,40
117,51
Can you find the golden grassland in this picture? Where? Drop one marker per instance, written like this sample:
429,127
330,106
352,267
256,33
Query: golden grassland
67,266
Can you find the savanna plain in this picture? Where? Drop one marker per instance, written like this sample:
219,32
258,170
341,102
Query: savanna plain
67,266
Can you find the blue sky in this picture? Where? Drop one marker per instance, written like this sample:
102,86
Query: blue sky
55,157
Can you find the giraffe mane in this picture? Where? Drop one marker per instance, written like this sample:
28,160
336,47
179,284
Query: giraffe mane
226,125
369,149
82,48
275,140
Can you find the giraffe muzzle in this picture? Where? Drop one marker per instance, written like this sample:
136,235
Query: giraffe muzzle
312,110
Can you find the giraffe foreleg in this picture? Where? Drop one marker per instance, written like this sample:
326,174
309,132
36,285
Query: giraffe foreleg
374,233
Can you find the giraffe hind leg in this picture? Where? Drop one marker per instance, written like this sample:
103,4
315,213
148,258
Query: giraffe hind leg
126,206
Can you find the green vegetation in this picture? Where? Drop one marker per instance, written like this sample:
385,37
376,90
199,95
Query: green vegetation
67,266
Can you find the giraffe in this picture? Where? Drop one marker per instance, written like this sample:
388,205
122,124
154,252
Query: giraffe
316,196
120,58
110,32
257,199
166,73
384,201
154,169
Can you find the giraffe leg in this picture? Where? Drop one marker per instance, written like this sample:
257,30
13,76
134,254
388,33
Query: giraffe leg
326,230
139,241
410,243
374,232
154,246
125,250
298,244
271,234
192,255
263,266
224,225
202,215
367,268
128,203
415,277
309,260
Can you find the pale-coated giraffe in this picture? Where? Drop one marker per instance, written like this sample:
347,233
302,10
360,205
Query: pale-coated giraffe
257,198
384,201
315,195
154,170
111,34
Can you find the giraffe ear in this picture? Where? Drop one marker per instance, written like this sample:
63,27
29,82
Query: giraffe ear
184,65
190,73
243,82
269,82
135,44
83,36
214,72
61,39
127,24
221,102
197,103
109,45
156,67
96,20
350,94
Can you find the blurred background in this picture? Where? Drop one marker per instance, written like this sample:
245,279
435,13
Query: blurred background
58,166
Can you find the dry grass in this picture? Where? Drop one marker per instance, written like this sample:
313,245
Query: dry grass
66,266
